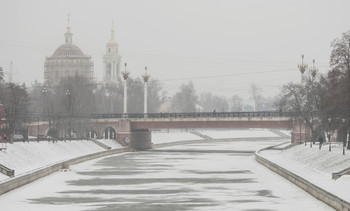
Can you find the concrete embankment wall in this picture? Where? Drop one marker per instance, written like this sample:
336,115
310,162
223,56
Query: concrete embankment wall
319,193
32,176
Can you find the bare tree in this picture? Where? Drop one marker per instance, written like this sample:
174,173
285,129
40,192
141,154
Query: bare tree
15,99
338,83
305,102
212,102
186,99
236,103
1,74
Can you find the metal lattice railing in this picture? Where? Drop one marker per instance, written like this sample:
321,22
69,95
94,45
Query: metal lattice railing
164,115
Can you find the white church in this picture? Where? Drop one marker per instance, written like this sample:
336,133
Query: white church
68,60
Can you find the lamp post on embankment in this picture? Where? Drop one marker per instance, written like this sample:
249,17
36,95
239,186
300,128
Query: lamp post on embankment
125,75
329,134
305,132
311,128
344,136
145,79
68,93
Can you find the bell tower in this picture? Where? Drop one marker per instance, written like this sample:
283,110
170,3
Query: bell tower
111,60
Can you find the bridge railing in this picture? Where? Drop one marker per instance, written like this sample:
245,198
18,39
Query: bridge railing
195,115
169,115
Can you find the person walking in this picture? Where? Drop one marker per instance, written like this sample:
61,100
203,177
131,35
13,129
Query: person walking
320,140
4,137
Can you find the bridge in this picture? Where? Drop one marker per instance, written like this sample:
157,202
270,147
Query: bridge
134,130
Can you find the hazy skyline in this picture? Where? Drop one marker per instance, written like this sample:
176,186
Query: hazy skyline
222,46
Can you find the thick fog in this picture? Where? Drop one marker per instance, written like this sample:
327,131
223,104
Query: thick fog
222,46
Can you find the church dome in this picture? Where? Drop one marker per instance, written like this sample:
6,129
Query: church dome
68,50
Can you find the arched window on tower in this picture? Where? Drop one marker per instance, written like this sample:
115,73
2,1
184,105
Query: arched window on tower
109,50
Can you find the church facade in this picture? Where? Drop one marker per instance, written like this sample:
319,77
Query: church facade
67,61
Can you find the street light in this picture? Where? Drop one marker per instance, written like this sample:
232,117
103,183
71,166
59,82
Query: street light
125,75
329,134
68,93
145,79
305,131
313,69
302,67
44,91
311,134
344,139
300,123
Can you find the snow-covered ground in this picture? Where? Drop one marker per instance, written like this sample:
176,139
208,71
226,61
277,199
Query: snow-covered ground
316,165
171,136
24,157
252,133
111,143
311,163
166,136
157,180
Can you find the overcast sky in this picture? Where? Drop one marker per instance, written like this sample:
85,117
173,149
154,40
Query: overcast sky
222,46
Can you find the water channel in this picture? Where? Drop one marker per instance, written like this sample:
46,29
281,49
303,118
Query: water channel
211,176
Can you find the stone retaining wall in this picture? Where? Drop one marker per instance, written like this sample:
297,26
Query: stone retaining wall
18,181
317,192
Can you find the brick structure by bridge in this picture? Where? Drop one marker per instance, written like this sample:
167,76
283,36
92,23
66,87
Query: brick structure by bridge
134,129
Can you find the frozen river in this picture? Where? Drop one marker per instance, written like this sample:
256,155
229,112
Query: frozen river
220,176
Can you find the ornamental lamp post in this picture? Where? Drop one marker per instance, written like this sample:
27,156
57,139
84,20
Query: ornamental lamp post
44,91
344,136
302,67
311,128
68,93
329,134
125,75
300,123
313,69
145,79
305,131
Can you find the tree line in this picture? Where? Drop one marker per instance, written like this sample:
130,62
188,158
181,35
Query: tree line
322,101
322,98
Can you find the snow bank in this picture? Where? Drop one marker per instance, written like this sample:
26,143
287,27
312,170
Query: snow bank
320,160
25,157
165,137
252,133
111,143
316,165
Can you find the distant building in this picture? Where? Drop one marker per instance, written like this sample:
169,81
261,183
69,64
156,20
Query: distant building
111,61
67,61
